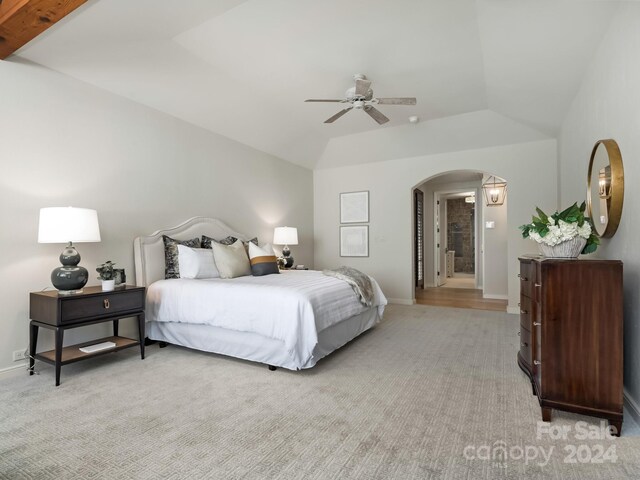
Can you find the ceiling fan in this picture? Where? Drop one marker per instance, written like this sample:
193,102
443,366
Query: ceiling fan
360,97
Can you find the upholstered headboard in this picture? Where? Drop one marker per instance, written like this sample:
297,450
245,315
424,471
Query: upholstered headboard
149,250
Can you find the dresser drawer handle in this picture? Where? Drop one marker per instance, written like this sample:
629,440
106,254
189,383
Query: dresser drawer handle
537,324
106,303
524,312
538,285
536,362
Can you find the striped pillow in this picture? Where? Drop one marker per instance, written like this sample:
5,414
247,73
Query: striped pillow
263,261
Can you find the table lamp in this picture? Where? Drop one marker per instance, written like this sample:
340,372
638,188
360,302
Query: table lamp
286,236
68,224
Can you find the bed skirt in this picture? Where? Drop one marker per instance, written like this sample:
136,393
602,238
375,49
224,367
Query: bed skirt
256,347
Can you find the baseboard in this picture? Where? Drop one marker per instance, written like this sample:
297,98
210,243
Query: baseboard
496,297
401,301
4,372
632,406
513,310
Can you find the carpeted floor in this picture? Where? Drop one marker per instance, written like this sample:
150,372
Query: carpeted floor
429,393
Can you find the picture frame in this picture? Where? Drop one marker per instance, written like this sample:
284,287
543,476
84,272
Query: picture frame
354,241
119,276
354,207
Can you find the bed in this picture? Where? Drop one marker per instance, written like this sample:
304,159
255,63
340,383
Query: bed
288,320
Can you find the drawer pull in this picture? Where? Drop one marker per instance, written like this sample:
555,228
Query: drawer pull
524,312
106,303
537,324
538,285
536,362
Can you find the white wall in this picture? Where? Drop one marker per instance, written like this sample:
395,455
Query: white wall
529,169
63,142
608,106
495,244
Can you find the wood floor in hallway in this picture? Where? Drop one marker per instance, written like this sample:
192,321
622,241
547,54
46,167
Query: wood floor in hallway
458,297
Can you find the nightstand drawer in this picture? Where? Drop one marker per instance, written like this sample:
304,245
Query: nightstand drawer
112,303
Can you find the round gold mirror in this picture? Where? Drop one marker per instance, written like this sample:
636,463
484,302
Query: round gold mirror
605,187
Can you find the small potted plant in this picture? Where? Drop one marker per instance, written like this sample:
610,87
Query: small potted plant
564,234
107,274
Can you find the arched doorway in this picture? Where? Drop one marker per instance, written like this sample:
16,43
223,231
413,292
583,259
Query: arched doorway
460,255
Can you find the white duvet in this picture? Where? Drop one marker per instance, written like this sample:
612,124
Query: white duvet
293,306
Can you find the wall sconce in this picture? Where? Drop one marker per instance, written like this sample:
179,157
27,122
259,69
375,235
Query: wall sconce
470,199
604,183
495,191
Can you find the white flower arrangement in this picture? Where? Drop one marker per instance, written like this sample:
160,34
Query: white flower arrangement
560,227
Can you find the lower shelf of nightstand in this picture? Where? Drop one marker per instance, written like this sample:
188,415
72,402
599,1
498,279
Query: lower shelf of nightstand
72,353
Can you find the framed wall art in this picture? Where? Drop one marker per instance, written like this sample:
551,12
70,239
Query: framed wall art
354,241
354,207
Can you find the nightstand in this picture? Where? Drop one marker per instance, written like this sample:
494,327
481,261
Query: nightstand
61,312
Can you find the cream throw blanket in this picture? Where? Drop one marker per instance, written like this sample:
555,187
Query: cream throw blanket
360,282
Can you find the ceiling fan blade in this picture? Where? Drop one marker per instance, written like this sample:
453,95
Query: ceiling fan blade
323,100
337,115
397,101
376,114
362,87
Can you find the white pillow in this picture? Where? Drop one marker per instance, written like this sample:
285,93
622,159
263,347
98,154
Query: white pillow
196,263
232,260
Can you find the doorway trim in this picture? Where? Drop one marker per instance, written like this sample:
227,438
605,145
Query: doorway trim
437,197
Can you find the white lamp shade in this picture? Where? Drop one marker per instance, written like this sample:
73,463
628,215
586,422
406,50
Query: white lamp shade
285,236
68,224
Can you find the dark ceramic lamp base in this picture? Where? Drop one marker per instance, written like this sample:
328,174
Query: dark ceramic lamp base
286,255
70,277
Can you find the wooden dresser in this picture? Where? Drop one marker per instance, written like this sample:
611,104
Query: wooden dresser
571,335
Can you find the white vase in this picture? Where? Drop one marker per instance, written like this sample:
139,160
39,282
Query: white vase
108,285
567,249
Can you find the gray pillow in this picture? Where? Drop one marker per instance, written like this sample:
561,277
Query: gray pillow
171,265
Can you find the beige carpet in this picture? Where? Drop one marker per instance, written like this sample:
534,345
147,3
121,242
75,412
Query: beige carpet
406,400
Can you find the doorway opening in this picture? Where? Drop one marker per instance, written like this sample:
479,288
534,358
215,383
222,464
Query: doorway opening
458,225
456,243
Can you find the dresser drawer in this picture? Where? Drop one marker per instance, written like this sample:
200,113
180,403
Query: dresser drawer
525,312
527,274
73,309
525,345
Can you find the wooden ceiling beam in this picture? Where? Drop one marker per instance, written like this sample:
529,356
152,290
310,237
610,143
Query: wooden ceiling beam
23,20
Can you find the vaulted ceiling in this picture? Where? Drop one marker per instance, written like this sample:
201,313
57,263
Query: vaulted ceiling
244,68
